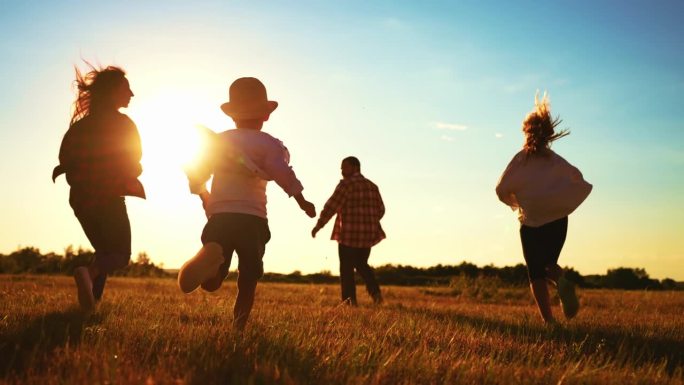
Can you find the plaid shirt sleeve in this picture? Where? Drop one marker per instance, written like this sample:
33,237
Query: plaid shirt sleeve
359,208
333,205
380,204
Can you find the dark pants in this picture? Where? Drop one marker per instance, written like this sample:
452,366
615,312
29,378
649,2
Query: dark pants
247,235
354,258
542,246
109,232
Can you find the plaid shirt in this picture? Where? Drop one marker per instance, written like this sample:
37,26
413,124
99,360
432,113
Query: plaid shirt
100,155
359,208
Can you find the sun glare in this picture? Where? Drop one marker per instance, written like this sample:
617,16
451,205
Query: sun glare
170,126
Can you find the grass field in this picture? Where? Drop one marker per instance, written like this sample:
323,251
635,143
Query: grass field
147,332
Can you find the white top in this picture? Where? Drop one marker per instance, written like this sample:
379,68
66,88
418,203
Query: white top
542,188
242,162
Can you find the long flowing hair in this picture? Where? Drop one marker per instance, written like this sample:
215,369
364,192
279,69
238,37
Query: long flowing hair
94,89
539,127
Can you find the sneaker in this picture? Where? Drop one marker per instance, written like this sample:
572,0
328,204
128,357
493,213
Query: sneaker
214,283
84,287
201,267
568,297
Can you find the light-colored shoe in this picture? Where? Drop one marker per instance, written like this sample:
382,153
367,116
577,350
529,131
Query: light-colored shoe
214,283
568,297
84,287
201,267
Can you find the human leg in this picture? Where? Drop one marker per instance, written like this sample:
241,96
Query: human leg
210,266
218,229
554,235
250,235
214,283
98,286
244,300
552,239
115,240
83,276
107,227
201,267
540,292
531,240
347,283
367,273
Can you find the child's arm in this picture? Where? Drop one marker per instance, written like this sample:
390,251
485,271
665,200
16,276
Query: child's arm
305,205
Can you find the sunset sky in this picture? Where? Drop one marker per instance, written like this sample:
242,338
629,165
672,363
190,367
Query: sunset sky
428,95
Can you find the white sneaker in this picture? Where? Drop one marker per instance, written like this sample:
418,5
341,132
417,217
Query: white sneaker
84,287
201,267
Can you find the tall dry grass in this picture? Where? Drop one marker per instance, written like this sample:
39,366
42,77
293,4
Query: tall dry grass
147,332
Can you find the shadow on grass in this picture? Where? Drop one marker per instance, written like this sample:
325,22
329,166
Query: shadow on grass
31,346
622,347
255,359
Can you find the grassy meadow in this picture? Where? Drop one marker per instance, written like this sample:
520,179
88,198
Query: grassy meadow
146,332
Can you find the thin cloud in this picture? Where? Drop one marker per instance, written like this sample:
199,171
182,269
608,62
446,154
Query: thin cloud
450,126
447,138
498,135
393,23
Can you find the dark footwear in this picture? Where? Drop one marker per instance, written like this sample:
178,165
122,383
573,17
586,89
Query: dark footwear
98,286
216,281
568,297
377,298
84,287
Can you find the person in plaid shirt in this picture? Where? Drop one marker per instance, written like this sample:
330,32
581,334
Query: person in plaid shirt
359,208
100,155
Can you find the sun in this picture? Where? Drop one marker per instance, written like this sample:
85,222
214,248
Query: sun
166,126
170,125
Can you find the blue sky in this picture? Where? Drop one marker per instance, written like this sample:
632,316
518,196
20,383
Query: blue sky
428,95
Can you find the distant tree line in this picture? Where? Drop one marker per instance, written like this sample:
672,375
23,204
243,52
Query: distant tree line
30,260
619,278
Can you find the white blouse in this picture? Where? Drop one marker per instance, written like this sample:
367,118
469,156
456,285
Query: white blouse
542,188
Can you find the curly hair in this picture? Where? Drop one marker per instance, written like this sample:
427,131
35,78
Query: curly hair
94,89
539,127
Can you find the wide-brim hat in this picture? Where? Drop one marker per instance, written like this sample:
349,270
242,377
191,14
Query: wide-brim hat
247,100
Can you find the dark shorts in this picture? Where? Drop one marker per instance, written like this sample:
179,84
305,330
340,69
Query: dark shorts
245,234
542,246
109,231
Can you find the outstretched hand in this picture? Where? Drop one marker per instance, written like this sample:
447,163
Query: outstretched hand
308,208
305,205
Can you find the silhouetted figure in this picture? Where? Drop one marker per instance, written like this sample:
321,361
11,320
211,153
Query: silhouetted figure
359,208
545,189
100,154
242,161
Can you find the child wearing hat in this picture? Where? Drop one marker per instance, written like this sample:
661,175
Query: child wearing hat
242,161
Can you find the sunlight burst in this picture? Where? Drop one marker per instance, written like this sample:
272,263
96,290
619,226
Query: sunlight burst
170,130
